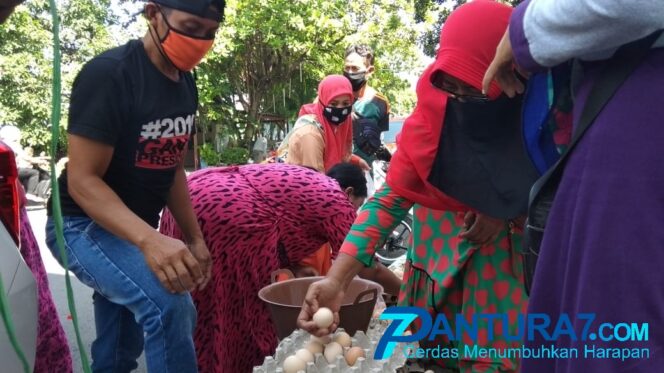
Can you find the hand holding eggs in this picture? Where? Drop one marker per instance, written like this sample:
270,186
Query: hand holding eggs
323,318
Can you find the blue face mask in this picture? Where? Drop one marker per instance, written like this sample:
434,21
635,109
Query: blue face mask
337,115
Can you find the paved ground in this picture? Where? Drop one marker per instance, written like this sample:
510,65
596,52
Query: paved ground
82,294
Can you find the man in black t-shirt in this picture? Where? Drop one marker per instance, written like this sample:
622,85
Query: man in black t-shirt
131,116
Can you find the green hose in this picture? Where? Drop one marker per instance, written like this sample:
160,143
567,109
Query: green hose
56,212
11,330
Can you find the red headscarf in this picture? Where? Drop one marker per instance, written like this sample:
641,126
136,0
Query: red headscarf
338,138
468,44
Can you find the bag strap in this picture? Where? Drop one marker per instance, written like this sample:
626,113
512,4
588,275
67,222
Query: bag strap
614,74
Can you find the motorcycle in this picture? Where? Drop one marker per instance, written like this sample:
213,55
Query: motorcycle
396,245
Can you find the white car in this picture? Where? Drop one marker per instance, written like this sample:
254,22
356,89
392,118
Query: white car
19,284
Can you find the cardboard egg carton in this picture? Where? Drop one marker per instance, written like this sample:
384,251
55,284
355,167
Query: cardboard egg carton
367,341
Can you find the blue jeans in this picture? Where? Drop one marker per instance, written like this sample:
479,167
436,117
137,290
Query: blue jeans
130,304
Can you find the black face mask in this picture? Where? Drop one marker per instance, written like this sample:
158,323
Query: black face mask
337,115
357,80
481,160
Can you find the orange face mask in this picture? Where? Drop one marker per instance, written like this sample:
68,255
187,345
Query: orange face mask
185,52
182,50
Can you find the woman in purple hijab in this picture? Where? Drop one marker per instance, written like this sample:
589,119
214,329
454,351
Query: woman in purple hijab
603,248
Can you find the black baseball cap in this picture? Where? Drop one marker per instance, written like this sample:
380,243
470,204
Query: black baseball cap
199,8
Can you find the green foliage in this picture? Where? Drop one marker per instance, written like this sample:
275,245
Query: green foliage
208,154
234,156
271,54
429,40
268,58
26,60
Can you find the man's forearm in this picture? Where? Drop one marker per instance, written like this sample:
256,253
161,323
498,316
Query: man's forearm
179,203
104,206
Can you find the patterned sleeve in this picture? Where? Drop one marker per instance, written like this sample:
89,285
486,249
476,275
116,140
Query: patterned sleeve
375,222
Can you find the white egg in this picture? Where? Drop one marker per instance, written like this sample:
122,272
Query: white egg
322,340
332,351
305,355
315,347
323,317
293,364
429,371
353,354
343,339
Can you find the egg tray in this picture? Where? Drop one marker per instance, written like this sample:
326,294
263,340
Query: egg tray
299,338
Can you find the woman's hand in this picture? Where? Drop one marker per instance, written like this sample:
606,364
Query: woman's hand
324,293
502,70
481,229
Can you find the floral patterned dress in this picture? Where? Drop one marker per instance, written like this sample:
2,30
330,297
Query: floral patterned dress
52,353
446,274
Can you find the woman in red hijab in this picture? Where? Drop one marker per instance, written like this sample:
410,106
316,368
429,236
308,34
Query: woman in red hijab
461,164
323,133
321,138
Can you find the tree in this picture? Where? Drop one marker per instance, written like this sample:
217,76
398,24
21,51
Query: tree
268,58
26,60
430,39
263,51
271,56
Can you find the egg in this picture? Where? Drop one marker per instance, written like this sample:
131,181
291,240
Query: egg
306,355
343,339
323,317
293,364
314,347
332,351
353,354
429,371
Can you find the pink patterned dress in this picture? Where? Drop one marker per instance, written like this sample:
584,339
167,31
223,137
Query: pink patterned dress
52,348
246,214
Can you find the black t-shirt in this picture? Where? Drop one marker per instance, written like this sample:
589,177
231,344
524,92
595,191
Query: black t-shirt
121,99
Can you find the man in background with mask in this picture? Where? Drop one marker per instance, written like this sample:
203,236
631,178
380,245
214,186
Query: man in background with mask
131,116
371,110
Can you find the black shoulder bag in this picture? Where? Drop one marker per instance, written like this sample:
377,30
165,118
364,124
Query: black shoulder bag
543,192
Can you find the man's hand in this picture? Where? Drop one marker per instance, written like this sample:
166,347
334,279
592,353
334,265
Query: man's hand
175,266
481,229
200,251
502,70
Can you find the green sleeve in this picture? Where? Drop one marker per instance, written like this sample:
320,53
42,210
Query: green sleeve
374,224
